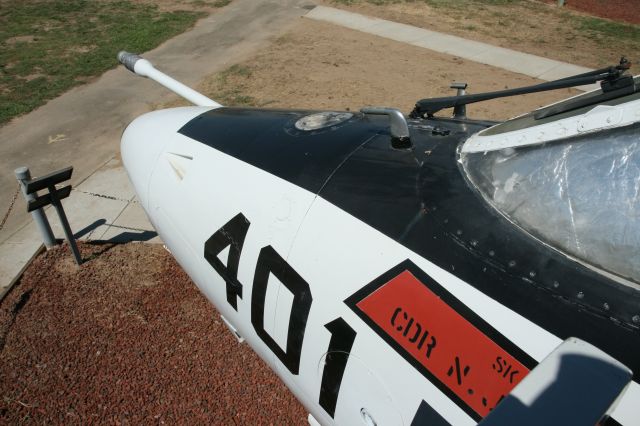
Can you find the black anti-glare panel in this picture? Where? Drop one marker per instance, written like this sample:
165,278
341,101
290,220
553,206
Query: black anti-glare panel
269,140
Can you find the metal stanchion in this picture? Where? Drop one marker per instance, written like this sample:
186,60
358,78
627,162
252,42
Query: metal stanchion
39,217
36,203
67,228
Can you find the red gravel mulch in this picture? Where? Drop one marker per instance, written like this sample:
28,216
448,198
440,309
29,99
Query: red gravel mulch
617,10
127,339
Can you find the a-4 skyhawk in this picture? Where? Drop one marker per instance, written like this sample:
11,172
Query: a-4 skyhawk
415,270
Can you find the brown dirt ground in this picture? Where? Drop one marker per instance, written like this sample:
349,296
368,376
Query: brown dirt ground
528,26
127,339
322,66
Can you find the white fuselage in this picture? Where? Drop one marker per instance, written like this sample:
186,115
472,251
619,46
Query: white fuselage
190,191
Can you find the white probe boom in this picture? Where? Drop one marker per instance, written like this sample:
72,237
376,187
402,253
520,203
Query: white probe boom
144,68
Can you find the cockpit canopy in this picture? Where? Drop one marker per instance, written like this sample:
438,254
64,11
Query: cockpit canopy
579,194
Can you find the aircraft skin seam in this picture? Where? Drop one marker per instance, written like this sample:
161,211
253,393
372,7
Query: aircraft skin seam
323,185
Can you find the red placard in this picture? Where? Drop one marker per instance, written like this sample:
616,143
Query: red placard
467,362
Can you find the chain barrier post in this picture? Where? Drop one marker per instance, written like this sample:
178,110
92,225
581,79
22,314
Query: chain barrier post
39,217
54,197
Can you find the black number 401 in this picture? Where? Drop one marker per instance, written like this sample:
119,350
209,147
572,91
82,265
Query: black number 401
233,235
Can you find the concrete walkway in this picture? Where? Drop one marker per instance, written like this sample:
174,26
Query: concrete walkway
83,127
90,119
511,60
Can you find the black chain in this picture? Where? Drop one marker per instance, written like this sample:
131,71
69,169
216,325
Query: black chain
109,197
13,202
93,194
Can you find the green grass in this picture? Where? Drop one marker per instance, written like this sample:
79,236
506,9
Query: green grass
234,70
229,88
49,46
605,30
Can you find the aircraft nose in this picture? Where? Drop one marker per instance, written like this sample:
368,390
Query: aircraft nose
145,139
140,151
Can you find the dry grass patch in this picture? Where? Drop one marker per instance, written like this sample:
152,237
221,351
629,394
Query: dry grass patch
323,66
524,25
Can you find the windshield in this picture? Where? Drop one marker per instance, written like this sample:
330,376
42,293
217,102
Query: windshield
529,120
579,195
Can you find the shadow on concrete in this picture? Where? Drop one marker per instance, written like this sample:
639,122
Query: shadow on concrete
131,234
90,228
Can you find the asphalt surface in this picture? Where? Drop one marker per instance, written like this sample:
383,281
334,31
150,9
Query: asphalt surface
83,127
